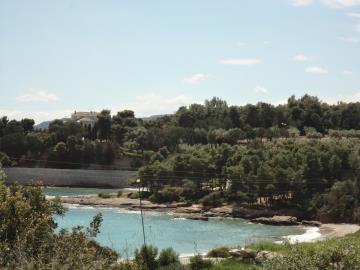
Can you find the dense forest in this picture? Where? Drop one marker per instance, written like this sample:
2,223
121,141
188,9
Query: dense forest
302,155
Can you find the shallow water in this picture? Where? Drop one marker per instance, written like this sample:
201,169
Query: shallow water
122,231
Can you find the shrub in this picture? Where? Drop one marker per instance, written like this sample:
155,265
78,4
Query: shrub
168,257
167,194
341,254
145,258
212,200
119,193
232,264
28,239
220,252
198,263
133,195
104,195
4,159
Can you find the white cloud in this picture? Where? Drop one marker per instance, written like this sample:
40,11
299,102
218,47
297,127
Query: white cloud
37,96
332,100
302,2
329,3
340,3
261,89
194,79
38,116
241,44
357,27
301,58
353,14
279,102
350,39
152,104
145,105
241,62
318,70
350,98
347,72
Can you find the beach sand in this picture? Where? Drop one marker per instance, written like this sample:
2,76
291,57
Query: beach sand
331,230
326,231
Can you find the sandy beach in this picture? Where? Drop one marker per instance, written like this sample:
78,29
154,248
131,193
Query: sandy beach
331,230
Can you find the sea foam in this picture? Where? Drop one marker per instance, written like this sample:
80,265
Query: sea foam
311,234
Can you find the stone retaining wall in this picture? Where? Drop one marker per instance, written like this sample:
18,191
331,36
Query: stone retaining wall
71,178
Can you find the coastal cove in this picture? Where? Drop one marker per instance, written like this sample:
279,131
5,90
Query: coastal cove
121,230
178,227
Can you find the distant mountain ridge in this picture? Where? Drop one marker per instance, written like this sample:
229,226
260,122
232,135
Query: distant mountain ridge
45,124
42,125
154,117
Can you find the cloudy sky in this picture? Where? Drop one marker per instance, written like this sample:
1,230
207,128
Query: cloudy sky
154,56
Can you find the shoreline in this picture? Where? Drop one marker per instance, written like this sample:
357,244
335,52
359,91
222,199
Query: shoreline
187,211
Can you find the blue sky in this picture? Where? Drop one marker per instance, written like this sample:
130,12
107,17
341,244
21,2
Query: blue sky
154,56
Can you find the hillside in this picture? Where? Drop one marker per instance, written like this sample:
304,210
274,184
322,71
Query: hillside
302,156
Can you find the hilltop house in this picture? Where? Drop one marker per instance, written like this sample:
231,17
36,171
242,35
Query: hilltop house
85,118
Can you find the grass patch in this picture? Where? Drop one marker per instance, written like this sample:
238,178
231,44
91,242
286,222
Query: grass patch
104,195
310,247
280,248
234,265
219,252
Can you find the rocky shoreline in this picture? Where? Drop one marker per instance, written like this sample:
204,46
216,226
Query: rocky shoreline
192,211
197,212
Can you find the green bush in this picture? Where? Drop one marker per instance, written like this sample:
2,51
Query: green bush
119,193
104,195
198,263
337,254
168,257
145,258
28,239
220,252
212,200
167,194
232,264
133,195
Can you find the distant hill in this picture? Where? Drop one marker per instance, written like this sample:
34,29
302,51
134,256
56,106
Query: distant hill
45,124
154,117
42,125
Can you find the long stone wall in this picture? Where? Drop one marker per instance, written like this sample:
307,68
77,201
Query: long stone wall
71,178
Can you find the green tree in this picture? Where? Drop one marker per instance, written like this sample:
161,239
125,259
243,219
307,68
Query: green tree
104,125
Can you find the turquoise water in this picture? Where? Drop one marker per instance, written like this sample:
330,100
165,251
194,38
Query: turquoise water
122,231
72,191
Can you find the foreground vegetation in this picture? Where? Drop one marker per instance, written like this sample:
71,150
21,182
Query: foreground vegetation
29,240
340,254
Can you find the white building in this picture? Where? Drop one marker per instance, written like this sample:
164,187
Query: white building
85,118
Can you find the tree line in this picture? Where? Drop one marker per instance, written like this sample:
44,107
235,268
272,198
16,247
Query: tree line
214,122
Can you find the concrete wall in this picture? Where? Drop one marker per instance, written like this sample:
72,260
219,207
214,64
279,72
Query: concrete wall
66,177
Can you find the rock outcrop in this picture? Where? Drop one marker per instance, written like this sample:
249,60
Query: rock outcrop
264,255
250,213
244,255
311,223
276,220
252,256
